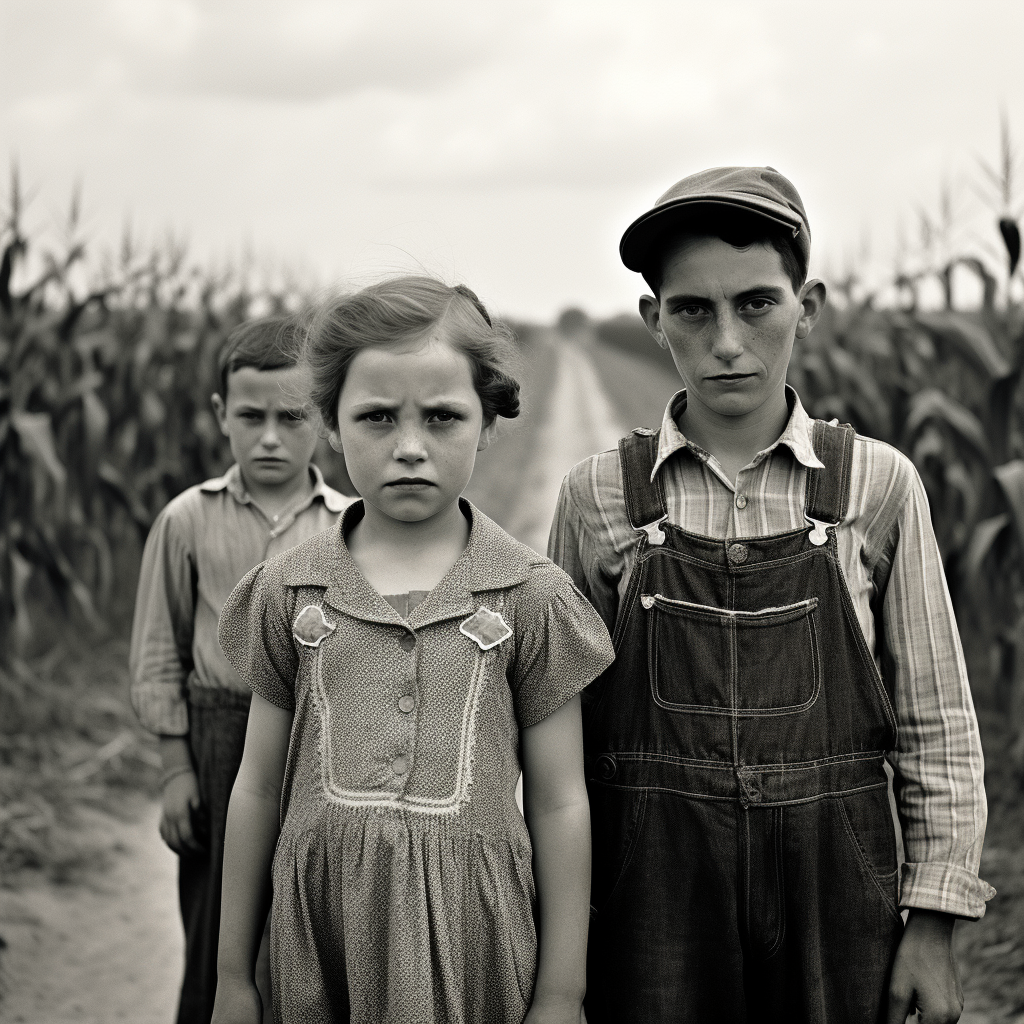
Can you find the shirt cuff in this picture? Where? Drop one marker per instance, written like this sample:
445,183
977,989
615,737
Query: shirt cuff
944,887
162,708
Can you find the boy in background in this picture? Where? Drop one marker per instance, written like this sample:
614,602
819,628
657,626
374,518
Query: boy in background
199,547
782,628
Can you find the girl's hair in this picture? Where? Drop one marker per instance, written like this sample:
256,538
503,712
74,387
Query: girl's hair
401,309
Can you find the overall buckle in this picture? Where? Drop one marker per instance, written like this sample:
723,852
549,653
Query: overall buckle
818,536
655,534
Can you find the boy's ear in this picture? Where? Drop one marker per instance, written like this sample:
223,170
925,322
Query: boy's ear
220,410
650,310
487,435
812,302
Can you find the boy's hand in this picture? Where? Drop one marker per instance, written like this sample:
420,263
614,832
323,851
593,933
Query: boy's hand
924,975
180,803
236,1002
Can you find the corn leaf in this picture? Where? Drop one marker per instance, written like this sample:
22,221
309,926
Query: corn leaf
970,339
96,420
932,404
1010,477
983,536
35,431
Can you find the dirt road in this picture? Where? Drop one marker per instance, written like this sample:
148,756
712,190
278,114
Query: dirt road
110,951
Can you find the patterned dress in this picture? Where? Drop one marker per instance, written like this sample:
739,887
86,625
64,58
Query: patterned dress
403,886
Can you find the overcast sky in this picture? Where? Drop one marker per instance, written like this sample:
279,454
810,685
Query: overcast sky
505,144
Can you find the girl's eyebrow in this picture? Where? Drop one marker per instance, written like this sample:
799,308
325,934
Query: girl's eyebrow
374,405
445,403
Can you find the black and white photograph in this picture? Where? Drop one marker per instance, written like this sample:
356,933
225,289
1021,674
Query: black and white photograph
512,512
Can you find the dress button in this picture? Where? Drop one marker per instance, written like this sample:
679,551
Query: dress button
406,703
400,765
605,767
741,501
737,553
407,641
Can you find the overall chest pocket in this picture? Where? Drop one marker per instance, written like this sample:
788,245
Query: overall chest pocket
703,659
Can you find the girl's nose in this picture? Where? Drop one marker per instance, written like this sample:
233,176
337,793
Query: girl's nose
270,437
410,447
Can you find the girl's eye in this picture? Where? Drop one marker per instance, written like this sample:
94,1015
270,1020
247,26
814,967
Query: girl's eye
443,416
378,416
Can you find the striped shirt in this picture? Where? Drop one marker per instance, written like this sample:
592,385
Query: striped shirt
202,543
894,573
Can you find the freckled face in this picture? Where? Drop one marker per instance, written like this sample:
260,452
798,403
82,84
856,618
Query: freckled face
410,424
729,318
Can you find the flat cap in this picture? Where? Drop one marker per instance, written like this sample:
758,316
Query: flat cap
758,190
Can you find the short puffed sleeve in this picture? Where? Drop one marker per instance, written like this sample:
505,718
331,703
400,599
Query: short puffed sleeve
562,644
255,635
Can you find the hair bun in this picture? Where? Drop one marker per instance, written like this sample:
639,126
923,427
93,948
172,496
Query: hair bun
468,293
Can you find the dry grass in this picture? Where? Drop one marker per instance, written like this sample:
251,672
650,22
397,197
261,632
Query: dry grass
68,741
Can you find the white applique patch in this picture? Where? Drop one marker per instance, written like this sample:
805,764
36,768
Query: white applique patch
487,628
311,627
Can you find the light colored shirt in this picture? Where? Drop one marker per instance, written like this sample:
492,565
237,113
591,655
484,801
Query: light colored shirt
892,566
200,546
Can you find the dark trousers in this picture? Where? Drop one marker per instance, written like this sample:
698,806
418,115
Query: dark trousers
713,912
217,723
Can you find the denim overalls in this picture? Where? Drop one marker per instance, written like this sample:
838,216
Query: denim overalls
744,852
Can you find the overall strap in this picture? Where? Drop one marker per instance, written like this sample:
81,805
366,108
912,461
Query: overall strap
828,489
645,501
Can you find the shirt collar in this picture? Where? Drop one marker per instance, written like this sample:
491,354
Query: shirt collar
796,436
492,560
232,482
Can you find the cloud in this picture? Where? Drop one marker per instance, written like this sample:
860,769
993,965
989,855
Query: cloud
297,50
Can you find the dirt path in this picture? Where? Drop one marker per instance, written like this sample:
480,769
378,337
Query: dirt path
112,951
580,421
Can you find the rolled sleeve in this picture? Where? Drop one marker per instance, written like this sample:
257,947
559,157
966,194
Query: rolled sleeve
160,656
938,759
562,647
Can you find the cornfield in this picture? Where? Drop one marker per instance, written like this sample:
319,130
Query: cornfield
104,413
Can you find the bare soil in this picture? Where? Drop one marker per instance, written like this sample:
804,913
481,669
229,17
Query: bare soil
108,949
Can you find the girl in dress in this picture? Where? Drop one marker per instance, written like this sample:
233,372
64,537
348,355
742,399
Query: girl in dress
405,667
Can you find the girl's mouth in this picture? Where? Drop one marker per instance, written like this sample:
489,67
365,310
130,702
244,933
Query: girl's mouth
410,481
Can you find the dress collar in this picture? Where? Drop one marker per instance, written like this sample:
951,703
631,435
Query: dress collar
796,436
492,560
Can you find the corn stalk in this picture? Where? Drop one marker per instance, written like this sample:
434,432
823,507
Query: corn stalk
104,413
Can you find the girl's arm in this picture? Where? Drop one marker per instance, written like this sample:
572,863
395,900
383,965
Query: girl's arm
558,816
252,830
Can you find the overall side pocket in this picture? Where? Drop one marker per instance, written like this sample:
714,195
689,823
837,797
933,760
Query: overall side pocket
616,824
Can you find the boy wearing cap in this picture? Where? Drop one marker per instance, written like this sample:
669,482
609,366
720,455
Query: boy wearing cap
782,629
